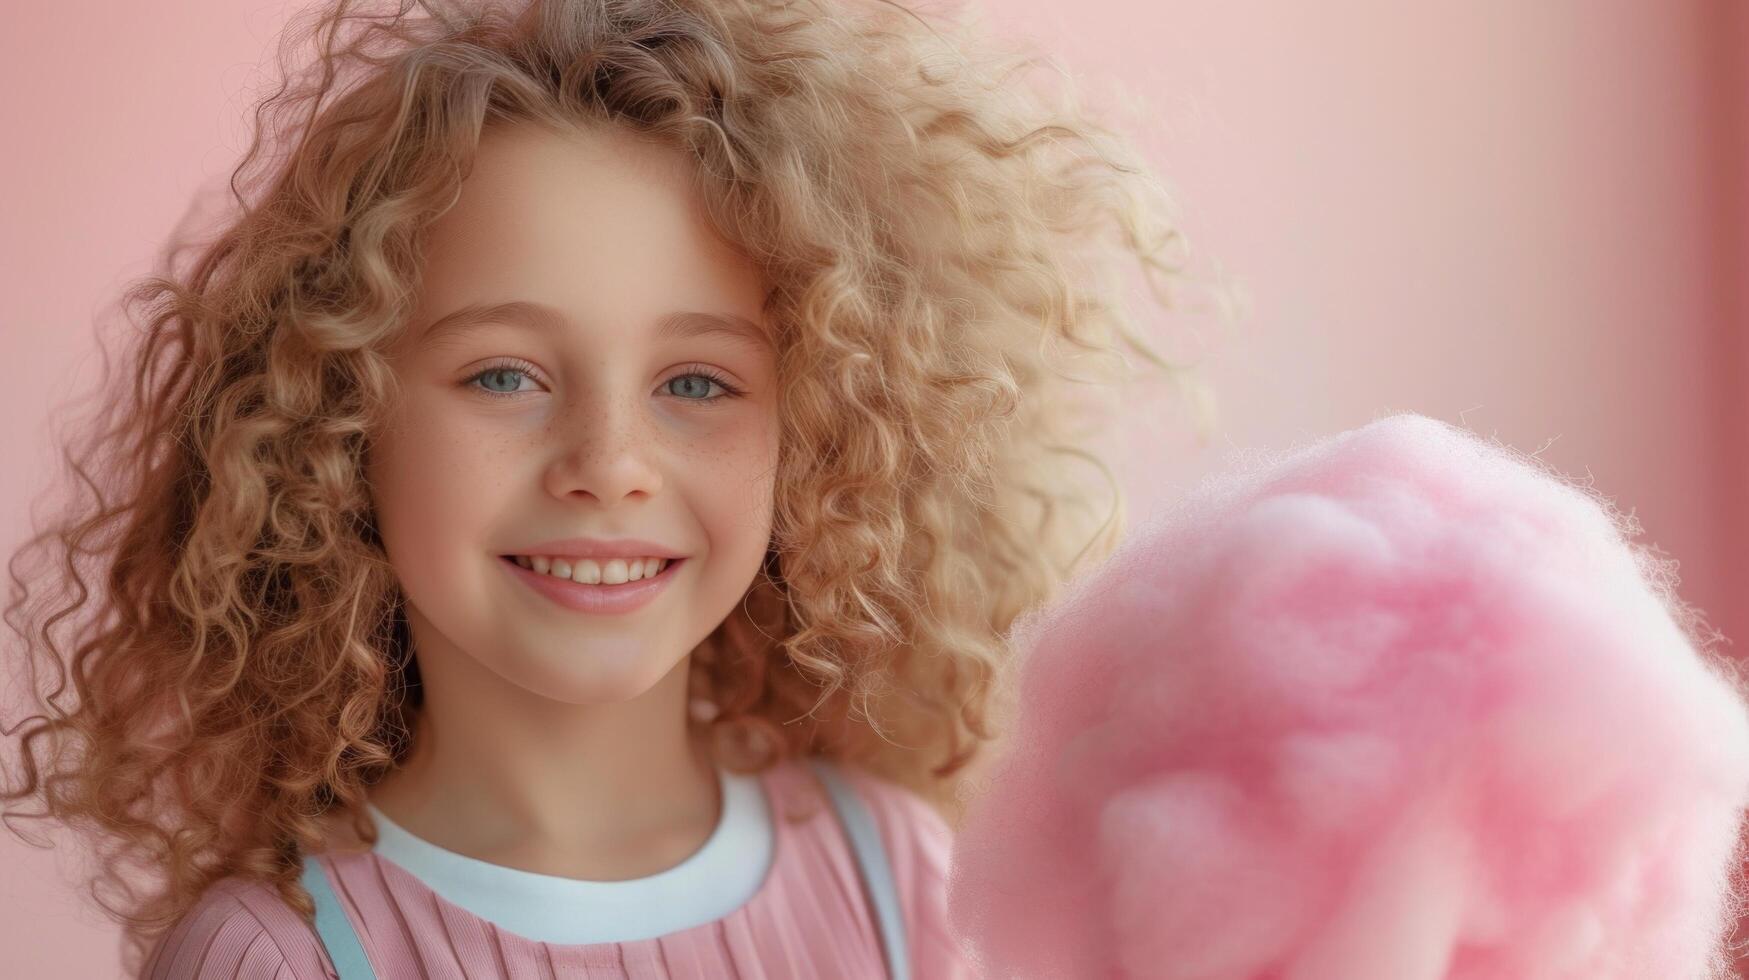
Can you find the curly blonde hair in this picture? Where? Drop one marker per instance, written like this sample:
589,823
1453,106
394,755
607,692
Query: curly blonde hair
930,226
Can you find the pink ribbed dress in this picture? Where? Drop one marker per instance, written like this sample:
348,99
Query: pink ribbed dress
763,899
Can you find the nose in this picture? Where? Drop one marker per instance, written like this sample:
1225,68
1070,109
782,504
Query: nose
606,452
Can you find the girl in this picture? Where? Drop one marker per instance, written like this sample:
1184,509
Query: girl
566,521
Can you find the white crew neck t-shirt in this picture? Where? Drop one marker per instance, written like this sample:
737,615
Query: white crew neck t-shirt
717,879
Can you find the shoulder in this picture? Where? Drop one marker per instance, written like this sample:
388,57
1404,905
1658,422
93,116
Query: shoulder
912,829
919,844
239,928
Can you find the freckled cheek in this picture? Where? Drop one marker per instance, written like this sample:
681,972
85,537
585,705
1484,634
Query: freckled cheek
730,475
754,487
748,449
434,482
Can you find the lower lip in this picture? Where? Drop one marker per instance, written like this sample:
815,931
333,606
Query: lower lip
623,598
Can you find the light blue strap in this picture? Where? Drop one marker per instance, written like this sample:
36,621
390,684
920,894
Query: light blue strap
871,857
332,926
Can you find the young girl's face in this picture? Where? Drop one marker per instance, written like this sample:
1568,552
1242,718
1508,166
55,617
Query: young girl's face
593,413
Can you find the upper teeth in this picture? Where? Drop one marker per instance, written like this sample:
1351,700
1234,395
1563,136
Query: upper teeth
588,571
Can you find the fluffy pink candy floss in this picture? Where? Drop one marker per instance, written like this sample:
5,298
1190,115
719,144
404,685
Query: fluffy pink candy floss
1397,705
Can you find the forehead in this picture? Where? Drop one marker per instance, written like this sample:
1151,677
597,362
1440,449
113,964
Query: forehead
599,223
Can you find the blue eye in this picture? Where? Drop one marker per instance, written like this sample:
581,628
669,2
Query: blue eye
500,372
519,370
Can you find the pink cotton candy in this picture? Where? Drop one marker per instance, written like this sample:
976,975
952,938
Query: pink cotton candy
1399,705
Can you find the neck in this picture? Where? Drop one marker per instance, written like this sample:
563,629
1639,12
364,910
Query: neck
601,791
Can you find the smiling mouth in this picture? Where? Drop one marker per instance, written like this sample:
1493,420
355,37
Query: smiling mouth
667,568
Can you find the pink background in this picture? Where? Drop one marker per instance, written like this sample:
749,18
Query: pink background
1525,218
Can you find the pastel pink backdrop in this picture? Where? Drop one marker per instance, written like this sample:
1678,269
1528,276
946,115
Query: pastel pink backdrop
1528,219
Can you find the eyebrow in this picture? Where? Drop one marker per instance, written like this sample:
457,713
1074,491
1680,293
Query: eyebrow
542,317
